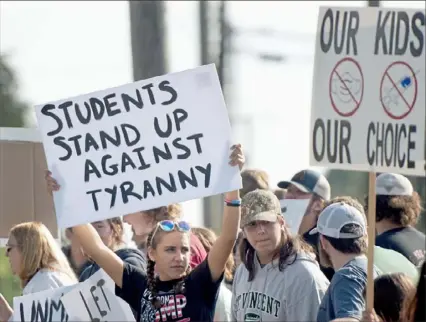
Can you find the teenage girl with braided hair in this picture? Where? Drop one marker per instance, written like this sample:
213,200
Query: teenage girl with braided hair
170,291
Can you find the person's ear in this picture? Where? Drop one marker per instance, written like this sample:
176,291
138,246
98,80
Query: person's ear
323,242
318,205
281,221
152,254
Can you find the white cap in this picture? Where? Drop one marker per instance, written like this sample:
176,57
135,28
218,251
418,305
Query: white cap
332,219
393,184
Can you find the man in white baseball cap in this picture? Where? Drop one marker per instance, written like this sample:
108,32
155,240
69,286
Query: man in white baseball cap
398,208
387,261
343,244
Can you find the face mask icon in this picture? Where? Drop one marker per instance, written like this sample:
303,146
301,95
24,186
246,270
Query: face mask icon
345,87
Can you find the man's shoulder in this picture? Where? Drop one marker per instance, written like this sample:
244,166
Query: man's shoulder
355,269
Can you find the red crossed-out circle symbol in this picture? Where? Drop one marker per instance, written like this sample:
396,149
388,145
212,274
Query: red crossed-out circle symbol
346,87
398,90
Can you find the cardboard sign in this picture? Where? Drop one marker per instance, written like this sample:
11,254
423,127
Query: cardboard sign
139,146
293,211
41,306
23,193
368,104
95,300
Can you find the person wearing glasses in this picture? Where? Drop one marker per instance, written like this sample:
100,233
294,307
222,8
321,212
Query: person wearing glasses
170,290
36,258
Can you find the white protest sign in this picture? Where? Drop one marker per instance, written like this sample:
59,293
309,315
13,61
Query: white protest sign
95,300
293,211
41,306
368,104
139,146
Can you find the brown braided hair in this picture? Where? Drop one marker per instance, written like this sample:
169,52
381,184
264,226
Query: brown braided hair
179,288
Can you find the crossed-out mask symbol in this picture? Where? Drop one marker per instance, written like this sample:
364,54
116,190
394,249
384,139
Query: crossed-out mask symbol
350,85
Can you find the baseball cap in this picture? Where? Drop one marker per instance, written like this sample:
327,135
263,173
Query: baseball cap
334,217
259,205
393,184
309,181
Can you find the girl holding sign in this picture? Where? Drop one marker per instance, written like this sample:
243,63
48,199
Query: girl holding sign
176,292
36,258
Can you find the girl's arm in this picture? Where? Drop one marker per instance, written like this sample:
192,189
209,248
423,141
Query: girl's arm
93,246
224,244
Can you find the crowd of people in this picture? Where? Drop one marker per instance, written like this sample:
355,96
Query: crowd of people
256,269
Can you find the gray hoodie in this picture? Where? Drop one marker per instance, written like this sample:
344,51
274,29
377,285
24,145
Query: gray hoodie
294,294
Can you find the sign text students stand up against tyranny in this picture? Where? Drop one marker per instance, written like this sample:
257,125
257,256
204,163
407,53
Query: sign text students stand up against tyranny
138,146
368,104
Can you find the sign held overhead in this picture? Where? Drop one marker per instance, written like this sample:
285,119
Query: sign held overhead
138,146
370,115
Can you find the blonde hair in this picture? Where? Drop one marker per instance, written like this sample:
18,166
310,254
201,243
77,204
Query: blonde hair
39,250
207,238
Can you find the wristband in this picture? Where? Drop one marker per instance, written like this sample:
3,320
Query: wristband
233,203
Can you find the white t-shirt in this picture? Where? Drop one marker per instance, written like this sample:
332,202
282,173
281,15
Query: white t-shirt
47,280
223,305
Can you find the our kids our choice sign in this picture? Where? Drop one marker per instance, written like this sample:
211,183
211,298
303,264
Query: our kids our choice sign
368,108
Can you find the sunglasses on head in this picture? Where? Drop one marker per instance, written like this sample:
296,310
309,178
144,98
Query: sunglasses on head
169,225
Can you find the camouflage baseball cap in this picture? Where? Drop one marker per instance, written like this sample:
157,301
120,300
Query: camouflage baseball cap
259,205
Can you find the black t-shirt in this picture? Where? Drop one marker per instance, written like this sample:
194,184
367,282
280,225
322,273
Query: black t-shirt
405,240
129,255
197,303
313,240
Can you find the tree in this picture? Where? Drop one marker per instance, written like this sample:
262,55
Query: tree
12,108
12,114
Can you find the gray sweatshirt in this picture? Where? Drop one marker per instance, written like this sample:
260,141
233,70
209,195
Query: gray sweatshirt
294,294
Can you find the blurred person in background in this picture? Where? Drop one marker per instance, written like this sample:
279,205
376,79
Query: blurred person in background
73,252
279,280
223,304
390,293
313,186
343,245
111,232
387,261
253,179
398,208
144,222
36,258
280,193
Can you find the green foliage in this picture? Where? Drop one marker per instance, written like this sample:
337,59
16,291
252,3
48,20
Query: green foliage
9,285
12,109
12,114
